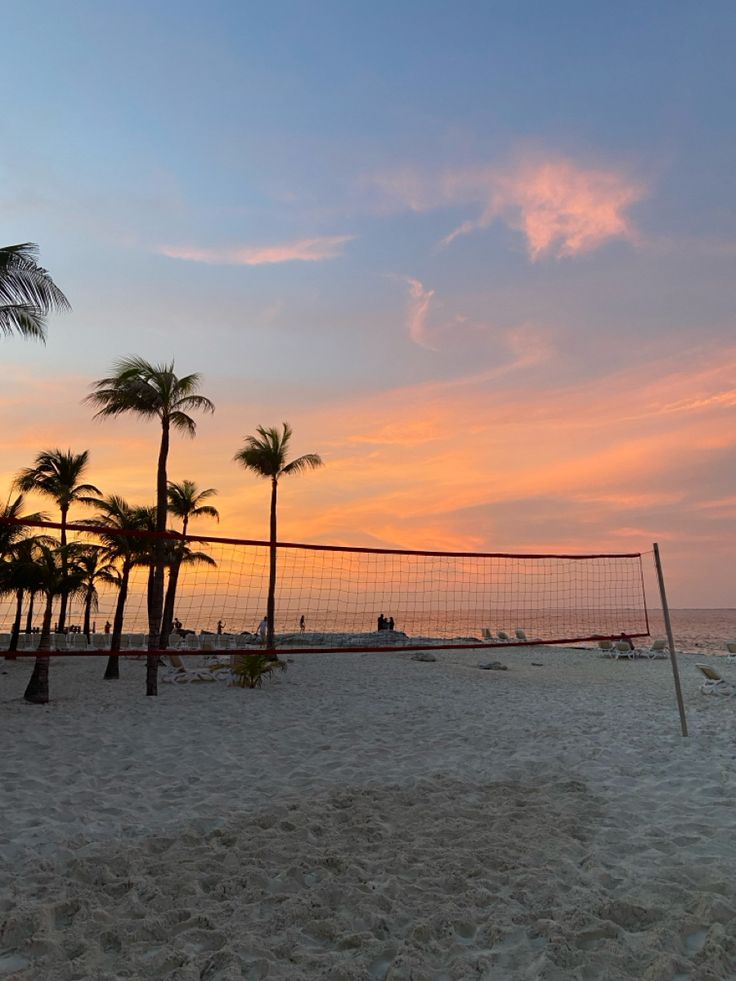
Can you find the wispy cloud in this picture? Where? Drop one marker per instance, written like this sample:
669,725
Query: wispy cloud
526,345
303,250
561,207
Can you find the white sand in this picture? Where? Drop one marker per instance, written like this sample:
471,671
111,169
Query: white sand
368,816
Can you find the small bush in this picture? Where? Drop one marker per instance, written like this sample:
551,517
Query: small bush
251,669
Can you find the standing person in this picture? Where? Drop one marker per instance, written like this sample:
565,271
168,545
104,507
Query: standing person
302,624
390,624
263,629
381,622
107,627
220,625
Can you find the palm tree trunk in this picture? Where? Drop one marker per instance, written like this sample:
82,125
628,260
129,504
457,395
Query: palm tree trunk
29,612
112,671
15,631
37,690
64,597
157,592
87,615
271,604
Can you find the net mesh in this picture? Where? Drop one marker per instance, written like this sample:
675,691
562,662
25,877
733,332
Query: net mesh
332,597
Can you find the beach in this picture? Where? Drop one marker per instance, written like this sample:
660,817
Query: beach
370,816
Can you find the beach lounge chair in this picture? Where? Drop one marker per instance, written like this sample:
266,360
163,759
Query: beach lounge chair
520,634
177,673
503,636
485,633
714,684
731,648
606,648
623,648
658,649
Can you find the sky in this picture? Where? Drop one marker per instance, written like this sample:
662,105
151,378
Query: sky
479,255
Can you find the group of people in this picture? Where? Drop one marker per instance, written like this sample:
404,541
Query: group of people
385,623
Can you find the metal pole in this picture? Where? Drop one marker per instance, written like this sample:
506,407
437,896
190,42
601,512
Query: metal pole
670,640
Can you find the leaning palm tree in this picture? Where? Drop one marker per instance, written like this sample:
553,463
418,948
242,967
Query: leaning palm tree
121,551
94,568
27,292
57,474
185,502
57,576
152,391
180,555
265,455
21,576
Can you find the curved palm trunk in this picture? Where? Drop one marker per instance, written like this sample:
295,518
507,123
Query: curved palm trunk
112,671
15,631
37,690
169,603
64,596
271,604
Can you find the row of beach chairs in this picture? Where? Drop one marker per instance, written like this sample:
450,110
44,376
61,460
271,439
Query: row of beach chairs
503,637
129,642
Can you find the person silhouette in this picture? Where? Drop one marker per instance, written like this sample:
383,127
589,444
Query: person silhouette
302,623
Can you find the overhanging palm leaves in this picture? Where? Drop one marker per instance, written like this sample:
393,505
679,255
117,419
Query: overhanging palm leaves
27,292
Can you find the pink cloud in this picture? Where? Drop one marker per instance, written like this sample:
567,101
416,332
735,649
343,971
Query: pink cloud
561,208
303,250
526,345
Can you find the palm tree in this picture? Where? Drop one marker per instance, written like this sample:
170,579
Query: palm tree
21,575
265,455
155,392
57,577
185,502
15,549
121,551
94,567
57,474
179,555
27,292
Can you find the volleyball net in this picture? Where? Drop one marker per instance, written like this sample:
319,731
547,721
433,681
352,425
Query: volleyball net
326,597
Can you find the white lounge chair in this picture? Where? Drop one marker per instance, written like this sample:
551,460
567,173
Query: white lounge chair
658,649
606,648
623,648
486,633
714,684
731,648
503,636
521,635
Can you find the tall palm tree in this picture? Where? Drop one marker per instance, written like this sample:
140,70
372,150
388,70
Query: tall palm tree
20,575
153,391
57,577
27,292
185,502
121,552
57,474
265,455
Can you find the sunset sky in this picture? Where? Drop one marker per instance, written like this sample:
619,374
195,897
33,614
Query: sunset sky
480,255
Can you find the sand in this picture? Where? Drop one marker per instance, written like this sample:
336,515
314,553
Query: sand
369,816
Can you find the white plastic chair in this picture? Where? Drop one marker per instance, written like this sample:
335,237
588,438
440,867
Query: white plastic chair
714,684
623,649
658,649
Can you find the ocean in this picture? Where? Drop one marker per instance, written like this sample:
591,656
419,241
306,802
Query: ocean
697,631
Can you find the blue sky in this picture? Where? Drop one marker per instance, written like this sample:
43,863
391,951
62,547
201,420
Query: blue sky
451,235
